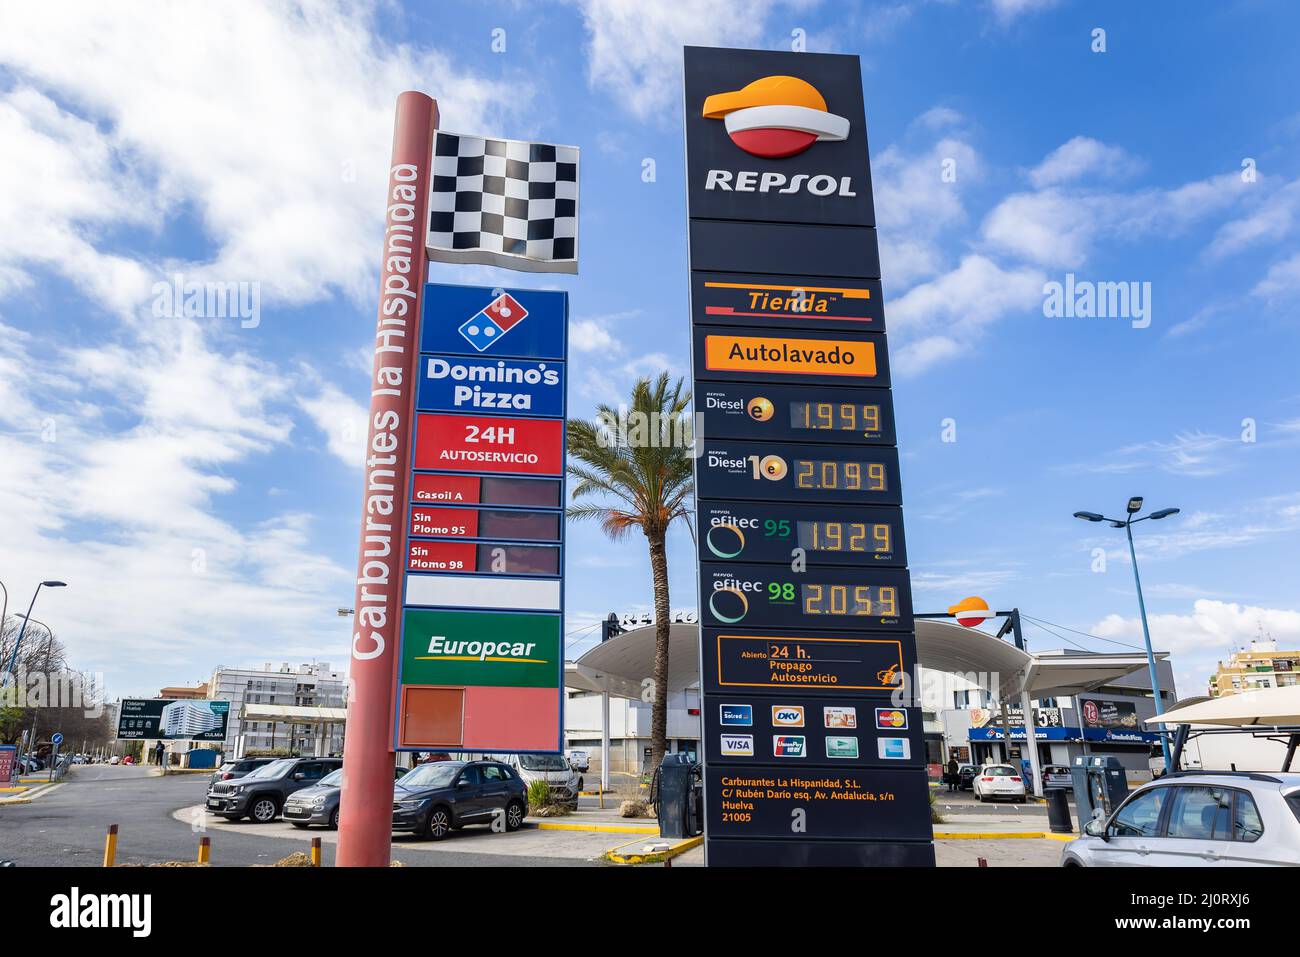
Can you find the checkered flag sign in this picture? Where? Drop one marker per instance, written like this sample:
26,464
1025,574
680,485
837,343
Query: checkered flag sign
504,203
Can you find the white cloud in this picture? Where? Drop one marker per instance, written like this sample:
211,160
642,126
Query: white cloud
343,420
945,317
1008,10
1080,157
1281,280
635,48
1209,633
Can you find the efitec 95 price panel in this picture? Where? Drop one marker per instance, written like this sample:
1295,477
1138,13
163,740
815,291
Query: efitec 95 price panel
827,534
805,597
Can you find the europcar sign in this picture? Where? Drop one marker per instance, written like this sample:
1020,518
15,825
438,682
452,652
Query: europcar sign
805,598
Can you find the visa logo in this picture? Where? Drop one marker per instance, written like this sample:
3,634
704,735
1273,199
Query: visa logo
738,745
736,715
787,716
789,745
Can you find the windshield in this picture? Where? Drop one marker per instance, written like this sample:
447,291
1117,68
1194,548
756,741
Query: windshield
438,775
332,780
543,762
272,770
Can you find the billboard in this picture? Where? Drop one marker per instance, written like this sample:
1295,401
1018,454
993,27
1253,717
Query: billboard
481,660
1116,715
805,597
172,720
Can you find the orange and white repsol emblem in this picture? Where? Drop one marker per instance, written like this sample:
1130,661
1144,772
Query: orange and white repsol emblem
776,116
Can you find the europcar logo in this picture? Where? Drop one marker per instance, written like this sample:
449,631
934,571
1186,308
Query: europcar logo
776,116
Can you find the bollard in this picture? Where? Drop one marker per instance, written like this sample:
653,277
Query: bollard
315,852
110,846
983,862
205,849
602,797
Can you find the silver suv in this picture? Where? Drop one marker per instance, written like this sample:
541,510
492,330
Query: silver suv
1198,819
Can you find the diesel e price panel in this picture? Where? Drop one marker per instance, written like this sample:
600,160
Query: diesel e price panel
796,413
827,534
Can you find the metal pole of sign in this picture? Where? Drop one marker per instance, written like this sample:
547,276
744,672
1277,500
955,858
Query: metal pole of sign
369,756
604,740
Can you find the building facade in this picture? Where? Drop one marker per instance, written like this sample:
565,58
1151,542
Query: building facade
315,684
1262,666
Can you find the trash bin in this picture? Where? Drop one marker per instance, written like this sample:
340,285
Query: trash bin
675,798
1058,810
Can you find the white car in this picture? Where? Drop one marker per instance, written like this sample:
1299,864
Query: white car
1198,819
999,781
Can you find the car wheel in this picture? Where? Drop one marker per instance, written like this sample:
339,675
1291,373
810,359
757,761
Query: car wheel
979,796
334,820
438,824
514,815
263,810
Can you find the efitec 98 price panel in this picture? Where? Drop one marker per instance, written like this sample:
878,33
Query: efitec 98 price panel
866,599
806,614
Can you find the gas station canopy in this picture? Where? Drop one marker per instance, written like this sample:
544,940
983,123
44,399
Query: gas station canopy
620,666
1263,707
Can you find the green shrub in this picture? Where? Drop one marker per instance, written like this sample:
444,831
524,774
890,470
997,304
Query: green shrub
539,795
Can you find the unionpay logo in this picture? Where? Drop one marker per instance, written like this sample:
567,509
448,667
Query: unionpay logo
776,116
485,327
789,745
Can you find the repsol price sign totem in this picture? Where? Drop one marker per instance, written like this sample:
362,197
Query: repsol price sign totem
805,597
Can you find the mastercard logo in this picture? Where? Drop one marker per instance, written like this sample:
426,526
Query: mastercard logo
776,116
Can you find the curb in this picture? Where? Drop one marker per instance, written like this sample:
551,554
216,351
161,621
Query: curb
652,829
37,794
1000,836
616,857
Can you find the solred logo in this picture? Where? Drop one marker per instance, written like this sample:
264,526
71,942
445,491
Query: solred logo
776,116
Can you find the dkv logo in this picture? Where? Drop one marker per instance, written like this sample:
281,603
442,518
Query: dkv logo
787,716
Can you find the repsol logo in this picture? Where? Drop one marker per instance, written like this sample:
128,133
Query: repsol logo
749,181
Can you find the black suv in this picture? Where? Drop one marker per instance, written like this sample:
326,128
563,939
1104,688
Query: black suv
261,793
445,796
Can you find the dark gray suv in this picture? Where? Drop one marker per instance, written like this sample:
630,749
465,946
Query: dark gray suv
261,794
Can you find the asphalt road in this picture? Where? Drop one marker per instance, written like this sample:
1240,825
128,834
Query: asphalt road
67,827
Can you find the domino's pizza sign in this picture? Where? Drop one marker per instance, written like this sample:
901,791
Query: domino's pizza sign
493,323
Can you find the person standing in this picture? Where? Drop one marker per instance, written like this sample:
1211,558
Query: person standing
953,773
159,749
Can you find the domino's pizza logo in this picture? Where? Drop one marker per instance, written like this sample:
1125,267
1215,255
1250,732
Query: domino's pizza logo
492,322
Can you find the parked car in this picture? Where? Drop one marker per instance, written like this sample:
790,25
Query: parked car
261,793
1198,819
554,769
580,760
966,777
1056,776
238,769
999,781
319,804
434,799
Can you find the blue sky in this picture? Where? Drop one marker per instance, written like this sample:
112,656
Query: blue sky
197,483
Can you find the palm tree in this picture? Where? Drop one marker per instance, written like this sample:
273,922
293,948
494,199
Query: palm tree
639,467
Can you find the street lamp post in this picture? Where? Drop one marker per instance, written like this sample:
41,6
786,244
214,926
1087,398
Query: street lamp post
1134,506
13,658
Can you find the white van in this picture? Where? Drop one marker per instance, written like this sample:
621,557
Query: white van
554,769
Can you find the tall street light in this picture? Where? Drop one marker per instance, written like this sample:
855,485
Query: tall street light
1134,506
13,659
